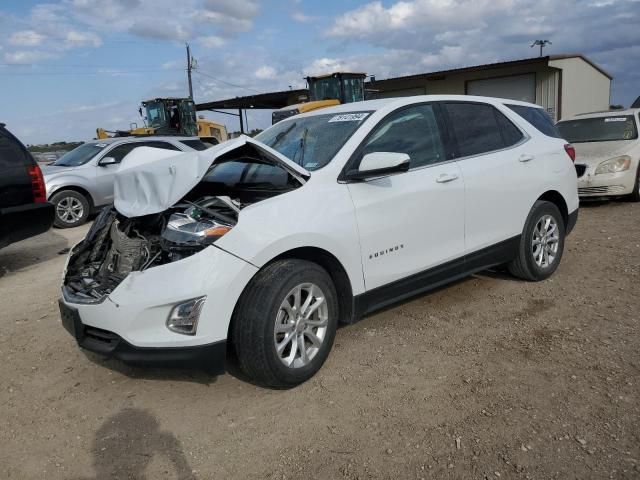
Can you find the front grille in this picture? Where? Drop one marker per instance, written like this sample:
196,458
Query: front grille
580,170
610,190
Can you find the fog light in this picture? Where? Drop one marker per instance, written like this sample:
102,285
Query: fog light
184,316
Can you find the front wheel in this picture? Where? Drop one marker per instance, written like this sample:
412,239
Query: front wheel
541,244
285,323
71,207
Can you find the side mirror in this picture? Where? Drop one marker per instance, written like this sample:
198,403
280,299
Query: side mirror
107,161
378,164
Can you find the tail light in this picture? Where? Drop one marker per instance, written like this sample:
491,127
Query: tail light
37,184
570,151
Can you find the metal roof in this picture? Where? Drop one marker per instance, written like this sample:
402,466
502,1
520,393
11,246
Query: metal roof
275,100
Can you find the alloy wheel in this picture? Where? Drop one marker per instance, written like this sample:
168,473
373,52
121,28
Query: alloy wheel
546,238
69,210
301,325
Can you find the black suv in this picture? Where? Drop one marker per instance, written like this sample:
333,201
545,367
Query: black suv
24,210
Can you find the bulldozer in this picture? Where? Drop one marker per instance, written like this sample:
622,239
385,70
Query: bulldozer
171,116
326,91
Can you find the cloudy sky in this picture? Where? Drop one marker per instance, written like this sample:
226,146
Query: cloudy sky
69,66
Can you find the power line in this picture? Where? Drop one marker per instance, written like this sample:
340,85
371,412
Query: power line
225,82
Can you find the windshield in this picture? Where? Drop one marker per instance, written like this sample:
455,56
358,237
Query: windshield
325,89
80,155
600,129
312,142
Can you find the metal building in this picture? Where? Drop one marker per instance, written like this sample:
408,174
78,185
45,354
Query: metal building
565,85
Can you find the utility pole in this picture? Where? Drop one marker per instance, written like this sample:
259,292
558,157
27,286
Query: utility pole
189,68
541,43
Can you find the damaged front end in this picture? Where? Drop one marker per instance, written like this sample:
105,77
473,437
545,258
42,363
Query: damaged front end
153,233
116,245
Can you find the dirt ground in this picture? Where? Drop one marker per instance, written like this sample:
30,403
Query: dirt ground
487,378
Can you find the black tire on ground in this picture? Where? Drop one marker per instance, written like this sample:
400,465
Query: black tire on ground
78,204
254,320
524,266
635,195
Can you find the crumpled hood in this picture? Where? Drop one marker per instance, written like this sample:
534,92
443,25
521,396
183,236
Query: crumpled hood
150,180
592,153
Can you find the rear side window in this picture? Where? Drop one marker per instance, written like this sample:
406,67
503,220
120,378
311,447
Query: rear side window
538,118
195,144
413,131
480,128
12,152
157,144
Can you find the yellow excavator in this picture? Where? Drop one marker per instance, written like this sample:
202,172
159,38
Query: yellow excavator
171,116
326,91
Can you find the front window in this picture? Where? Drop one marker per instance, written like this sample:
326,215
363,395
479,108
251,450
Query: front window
156,114
80,155
312,141
325,89
353,90
599,129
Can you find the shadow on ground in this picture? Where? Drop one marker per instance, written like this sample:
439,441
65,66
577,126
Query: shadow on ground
125,444
31,251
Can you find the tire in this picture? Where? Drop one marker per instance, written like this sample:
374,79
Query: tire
635,195
260,310
71,208
530,262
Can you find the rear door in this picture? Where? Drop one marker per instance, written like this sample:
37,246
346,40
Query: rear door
498,166
412,221
15,182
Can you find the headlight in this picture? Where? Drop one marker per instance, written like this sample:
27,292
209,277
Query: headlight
614,165
186,230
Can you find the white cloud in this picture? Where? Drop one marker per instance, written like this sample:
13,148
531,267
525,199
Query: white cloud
211,41
25,57
299,16
74,39
266,73
26,38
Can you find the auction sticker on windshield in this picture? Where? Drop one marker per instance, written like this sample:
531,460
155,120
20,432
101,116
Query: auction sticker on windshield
615,119
349,117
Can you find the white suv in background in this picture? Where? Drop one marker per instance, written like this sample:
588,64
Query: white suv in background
608,152
263,246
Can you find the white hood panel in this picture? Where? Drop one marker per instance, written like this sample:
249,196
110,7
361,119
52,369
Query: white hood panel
150,180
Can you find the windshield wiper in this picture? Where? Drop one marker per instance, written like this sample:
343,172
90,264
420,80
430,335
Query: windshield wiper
301,146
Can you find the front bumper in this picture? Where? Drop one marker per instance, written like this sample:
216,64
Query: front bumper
210,358
605,184
130,323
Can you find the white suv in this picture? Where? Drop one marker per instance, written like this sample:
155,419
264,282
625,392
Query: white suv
260,247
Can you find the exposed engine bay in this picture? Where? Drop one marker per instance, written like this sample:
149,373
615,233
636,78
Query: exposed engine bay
117,245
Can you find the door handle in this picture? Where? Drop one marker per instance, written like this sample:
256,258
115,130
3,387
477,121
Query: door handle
525,158
447,177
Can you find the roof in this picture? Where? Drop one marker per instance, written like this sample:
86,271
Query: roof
271,100
275,100
141,138
604,113
378,104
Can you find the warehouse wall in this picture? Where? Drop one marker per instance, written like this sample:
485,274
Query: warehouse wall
584,88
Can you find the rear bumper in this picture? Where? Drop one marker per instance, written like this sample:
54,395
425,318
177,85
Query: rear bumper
24,221
210,357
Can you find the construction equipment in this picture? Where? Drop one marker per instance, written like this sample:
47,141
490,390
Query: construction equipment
326,91
171,116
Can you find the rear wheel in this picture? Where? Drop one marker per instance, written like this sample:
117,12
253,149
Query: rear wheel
285,323
541,244
72,208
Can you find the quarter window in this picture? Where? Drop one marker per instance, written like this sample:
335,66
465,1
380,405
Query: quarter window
413,131
538,118
480,128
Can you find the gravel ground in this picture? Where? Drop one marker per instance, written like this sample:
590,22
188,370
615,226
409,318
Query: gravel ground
486,378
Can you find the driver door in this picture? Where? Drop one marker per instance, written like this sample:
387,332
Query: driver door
411,222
